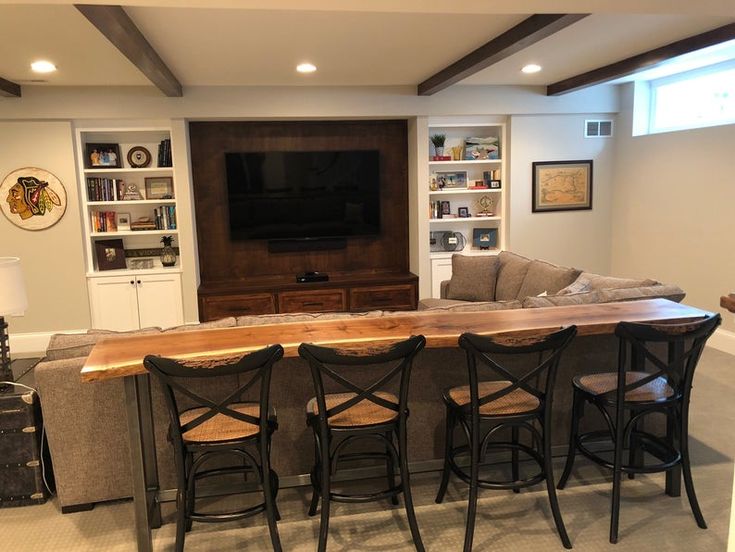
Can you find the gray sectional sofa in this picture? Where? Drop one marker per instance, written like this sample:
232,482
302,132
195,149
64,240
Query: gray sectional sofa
510,281
86,426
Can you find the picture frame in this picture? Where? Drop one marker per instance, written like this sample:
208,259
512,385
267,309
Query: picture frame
445,208
452,180
122,220
463,212
159,187
561,186
485,238
110,254
102,156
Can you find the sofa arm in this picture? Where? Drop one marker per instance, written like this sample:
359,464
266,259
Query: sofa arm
87,433
443,289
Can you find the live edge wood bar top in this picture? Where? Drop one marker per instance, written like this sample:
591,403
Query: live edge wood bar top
119,357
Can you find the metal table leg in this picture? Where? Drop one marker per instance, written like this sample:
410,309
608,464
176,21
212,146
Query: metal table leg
142,453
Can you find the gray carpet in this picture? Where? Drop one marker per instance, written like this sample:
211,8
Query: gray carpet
649,519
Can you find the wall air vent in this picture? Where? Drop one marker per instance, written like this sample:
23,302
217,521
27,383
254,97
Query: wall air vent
597,129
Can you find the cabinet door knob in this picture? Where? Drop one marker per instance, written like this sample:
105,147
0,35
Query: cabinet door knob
132,282
138,282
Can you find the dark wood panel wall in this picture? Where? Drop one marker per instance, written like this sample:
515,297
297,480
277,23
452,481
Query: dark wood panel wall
223,260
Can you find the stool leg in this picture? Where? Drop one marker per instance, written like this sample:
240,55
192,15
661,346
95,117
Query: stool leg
190,496
514,457
390,468
325,485
406,484
687,469
448,445
314,486
617,475
635,452
269,492
551,489
577,412
474,476
180,519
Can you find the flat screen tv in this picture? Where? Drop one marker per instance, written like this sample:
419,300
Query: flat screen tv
303,194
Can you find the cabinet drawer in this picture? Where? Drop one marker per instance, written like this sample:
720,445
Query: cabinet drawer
236,305
328,300
398,297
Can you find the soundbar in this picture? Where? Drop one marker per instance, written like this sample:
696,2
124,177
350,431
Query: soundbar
312,277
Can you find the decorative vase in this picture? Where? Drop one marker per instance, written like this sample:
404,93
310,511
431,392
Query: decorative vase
168,254
439,150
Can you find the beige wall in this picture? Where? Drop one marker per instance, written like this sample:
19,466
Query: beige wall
673,209
572,238
52,259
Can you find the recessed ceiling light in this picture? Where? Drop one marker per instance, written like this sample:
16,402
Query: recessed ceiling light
531,68
43,66
306,67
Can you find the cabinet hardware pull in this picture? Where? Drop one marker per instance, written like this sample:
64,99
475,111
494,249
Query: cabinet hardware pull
138,281
132,282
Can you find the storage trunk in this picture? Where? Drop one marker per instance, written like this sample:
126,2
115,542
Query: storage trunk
21,469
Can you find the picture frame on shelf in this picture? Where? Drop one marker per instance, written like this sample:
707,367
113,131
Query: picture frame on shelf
485,238
452,180
102,156
463,212
110,254
445,208
159,187
122,220
561,186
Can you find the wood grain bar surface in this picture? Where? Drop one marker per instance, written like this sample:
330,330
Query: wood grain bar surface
118,357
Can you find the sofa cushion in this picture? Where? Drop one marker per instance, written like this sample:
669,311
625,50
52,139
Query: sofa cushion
468,306
545,277
562,300
665,291
63,346
591,281
512,270
473,278
228,322
262,319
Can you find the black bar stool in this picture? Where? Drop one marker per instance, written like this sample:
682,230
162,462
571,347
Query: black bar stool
516,403
672,352
216,428
357,414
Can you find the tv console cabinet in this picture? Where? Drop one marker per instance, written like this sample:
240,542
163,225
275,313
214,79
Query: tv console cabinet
350,292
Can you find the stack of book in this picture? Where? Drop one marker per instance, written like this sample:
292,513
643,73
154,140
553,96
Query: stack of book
164,153
104,189
103,221
165,217
141,224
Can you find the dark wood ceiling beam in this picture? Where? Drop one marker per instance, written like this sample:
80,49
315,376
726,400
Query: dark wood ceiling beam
9,89
119,29
527,32
641,62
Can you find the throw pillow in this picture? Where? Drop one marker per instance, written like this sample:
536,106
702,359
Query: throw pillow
512,270
580,285
596,281
473,278
543,276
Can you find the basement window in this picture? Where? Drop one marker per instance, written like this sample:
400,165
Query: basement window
700,98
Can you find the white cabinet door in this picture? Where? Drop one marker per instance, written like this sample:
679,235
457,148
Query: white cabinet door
159,300
113,302
441,269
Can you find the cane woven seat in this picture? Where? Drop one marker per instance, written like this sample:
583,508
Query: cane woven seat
517,401
220,427
364,413
597,384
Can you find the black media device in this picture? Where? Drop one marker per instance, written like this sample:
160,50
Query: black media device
303,196
312,277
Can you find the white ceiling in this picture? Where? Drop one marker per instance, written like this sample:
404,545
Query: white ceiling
360,44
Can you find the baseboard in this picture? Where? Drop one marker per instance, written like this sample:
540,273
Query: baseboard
33,344
723,340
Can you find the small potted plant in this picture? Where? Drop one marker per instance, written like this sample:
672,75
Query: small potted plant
438,141
168,254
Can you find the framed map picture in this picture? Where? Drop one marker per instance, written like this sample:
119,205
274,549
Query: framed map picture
562,186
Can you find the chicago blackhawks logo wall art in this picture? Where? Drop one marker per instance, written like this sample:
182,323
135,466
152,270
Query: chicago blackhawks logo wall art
32,199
